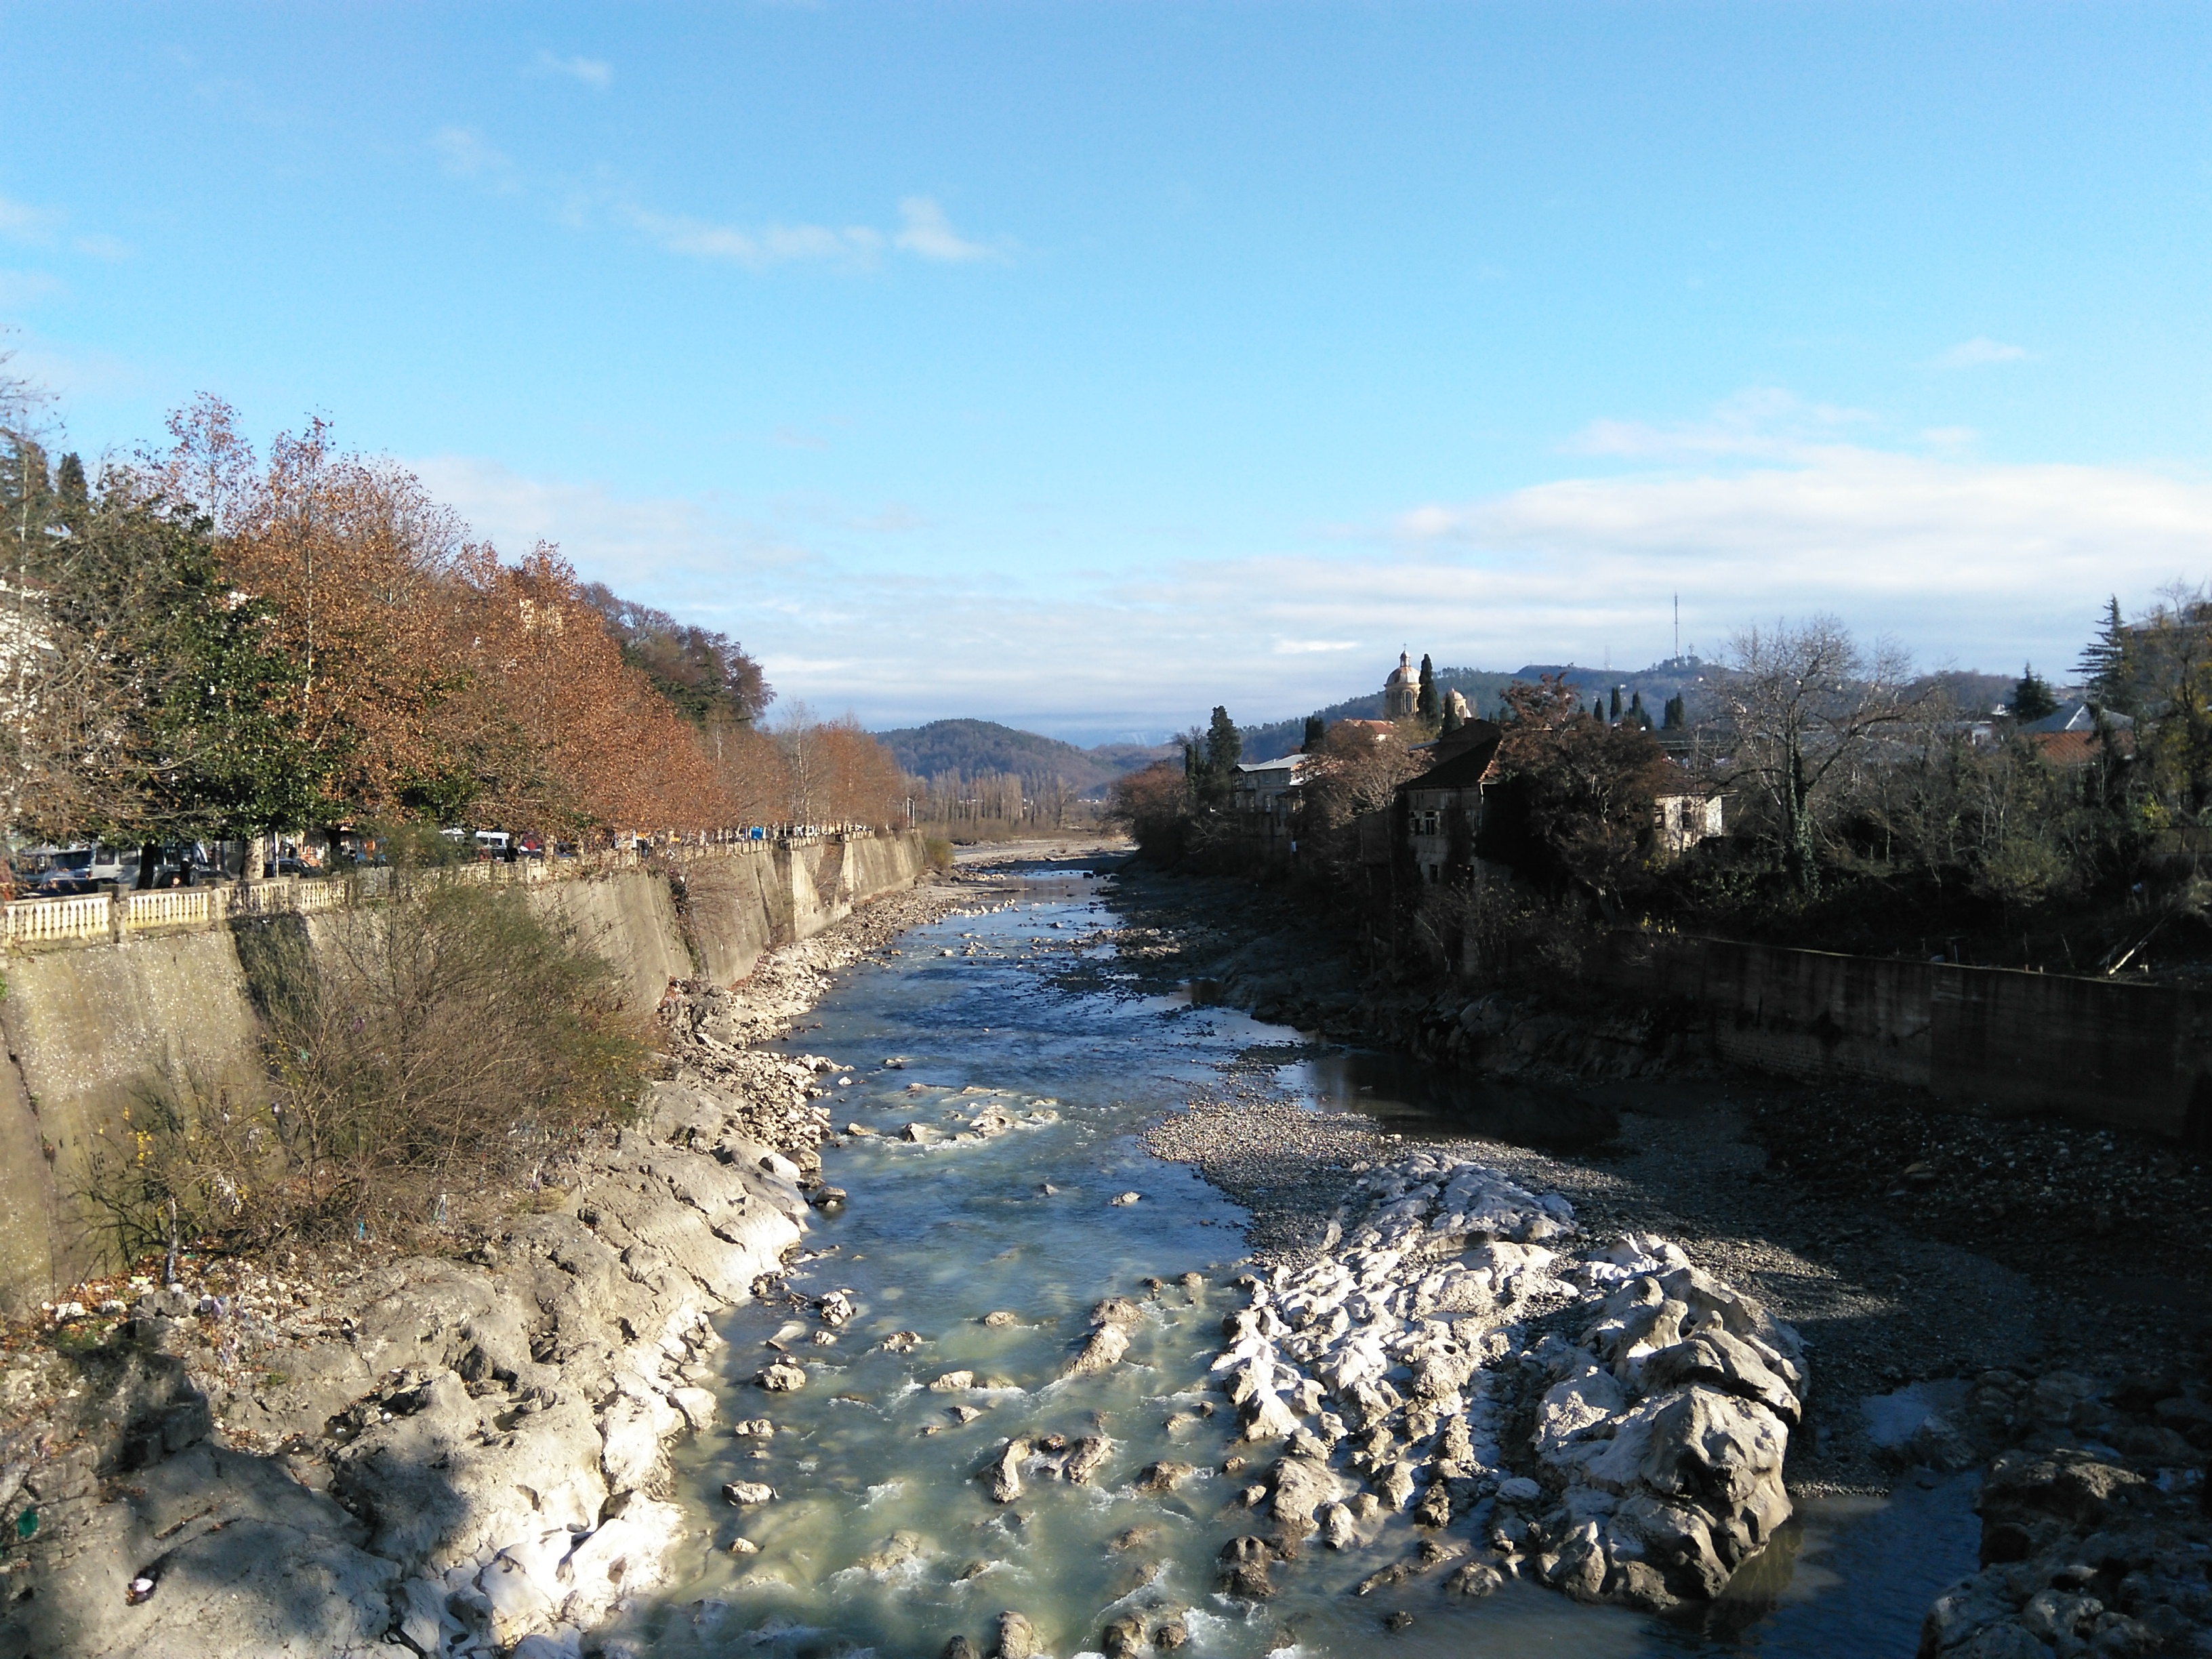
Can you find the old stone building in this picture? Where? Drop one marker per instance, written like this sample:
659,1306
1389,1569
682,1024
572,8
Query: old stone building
1443,806
1402,692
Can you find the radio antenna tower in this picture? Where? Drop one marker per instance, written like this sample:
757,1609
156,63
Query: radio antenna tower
1678,627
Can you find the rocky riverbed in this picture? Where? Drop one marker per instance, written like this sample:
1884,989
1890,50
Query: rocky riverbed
1526,1364
2028,1291
330,1451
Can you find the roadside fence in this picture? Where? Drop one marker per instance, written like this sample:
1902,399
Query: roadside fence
90,918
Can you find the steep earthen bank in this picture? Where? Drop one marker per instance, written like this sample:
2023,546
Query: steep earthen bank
330,1452
1969,1286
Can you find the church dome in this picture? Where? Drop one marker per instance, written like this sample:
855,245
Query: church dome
1403,674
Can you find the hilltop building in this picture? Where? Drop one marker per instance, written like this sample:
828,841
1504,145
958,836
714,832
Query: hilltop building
1402,692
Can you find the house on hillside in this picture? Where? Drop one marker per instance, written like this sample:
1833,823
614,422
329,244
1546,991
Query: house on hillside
1264,795
2070,738
1680,822
1443,806
1268,786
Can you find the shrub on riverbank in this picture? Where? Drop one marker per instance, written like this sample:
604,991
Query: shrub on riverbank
427,1060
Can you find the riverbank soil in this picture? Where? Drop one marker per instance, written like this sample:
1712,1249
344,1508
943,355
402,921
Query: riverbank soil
1965,1284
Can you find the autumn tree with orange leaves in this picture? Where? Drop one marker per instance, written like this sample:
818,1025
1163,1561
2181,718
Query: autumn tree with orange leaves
429,678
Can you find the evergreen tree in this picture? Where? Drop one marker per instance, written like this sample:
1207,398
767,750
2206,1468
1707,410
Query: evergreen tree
1316,730
2108,666
1453,720
1224,746
2032,698
73,501
1425,705
1637,717
1597,711
1616,705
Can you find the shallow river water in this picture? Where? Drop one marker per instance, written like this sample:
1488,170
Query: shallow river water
881,1537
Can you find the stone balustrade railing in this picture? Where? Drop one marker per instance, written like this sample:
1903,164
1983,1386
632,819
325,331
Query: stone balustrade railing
94,918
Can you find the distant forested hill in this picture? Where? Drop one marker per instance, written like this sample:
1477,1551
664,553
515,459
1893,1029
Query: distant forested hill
981,747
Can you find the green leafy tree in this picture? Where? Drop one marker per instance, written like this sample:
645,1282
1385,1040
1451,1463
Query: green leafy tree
223,758
2032,698
1425,704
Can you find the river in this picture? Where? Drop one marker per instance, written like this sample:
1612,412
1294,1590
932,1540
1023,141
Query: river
880,1538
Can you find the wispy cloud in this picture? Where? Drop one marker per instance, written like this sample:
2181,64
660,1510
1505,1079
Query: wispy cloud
924,230
924,233
928,235
463,153
756,247
42,227
1981,352
22,223
23,287
1982,563
1760,423
592,72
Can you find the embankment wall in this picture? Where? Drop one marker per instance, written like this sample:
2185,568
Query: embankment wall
97,1033
1998,1039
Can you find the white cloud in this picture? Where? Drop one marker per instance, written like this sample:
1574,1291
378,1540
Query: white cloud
756,249
40,227
23,287
592,72
928,235
22,223
1951,437
463,154
1764,422
1980,352
925,233
1978,563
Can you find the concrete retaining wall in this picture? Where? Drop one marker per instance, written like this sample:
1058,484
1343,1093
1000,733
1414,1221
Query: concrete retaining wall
1996,1039
96,1032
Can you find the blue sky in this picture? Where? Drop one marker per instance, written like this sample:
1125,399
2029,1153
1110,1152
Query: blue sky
1085,365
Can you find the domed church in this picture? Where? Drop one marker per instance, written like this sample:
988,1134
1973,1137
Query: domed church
1402,692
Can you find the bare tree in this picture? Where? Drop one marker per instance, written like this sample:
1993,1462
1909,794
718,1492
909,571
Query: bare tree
1805,705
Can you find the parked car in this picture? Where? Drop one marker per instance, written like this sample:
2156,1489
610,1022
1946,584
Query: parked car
92,865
